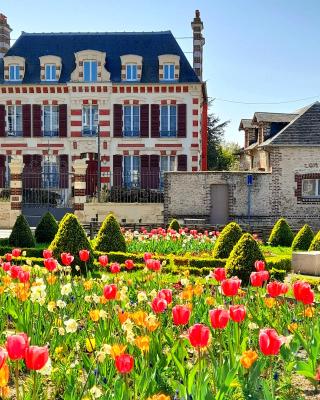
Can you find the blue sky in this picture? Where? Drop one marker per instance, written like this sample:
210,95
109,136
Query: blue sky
258,51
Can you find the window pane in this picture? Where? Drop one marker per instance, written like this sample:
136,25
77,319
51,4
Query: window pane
164,119
86,71
94,115
172,163
19,119
164,163
86,116
309,187
11,119
136,120
134,72
129,72
46,119
173,119
94,71
127,123
55,119
171,74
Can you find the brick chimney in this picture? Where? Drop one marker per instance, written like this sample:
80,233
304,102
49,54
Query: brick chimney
198,43
5,31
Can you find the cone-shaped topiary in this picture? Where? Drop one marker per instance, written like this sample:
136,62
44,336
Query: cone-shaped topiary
315,244
71,238
281,234
303,239
242,258
174,224
21,235
227,239
109,237
46,229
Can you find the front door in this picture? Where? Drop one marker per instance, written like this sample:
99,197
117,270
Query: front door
92,177
219,204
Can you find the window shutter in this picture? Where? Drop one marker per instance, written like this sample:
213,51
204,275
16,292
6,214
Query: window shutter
154,171
182,120
63,120
117,120
26,120
63,170
37,123
2,120
145,171
117,170
2,171
144,120
155,120
182,162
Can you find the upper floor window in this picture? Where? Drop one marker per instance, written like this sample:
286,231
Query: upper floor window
89,120
15,121
90,71
311,188
14,72
131,72
168,121
131,120
168,72
50,72
50,120
131,171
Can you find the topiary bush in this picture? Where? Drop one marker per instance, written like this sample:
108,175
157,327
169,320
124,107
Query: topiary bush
46,229
243,256
281,234
21,235
174,224
303,238
315,244
227,239
71,238
110,237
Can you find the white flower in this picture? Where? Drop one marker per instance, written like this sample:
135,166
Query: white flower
95,392
71,325
51,306
96,298
127,325
61,331
253,326
77,268
47,369
142,297
88,299
101,355
184,281
61,304
38,294
153,293
66,289
103,314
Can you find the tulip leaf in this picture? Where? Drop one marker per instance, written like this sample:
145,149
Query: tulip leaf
179,365
191,377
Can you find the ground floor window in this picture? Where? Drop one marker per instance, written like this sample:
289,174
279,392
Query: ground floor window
310,187
167,164
131,171
50,174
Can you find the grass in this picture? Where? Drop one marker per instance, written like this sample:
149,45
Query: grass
276,251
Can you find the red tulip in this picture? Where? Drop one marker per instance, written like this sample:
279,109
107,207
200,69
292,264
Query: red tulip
256,279
269,342
36,357
219,274
302,292
159,305
110,292
166,294
8,256
124,363
115,268
103,261
16,346
237,312
199,335
260,265
3,356
47,253
6,266
50,263
16,252
181,315
14,271
153,265
66,258
147,256
24,276
276,289
219,318
230,286
84,255
129,264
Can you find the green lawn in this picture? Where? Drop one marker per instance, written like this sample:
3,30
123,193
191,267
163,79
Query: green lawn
276,251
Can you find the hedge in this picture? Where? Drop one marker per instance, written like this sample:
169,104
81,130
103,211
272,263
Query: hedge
303,239
110,237
30,251
227,239
281,234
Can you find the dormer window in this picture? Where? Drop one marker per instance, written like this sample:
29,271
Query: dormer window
14,72
168,72
50,72
169,67
131,72
90,71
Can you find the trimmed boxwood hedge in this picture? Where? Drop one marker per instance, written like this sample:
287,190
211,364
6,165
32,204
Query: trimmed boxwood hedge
174,224
110,237
303,239
315,244
281,234
227,239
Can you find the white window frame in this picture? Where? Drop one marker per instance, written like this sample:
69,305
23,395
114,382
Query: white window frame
134,177
93,125
168,65
130,66
52,76
15,68
169,132
14,130
130,133
52,131
90,70
317,188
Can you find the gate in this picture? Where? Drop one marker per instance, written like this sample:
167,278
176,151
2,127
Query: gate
46,191
219,204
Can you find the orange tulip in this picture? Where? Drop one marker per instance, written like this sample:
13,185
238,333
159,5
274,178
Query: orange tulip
248,358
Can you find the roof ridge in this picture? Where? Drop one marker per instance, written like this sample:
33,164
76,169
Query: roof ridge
96,33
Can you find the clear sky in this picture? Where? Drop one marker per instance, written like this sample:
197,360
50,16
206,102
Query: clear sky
258,51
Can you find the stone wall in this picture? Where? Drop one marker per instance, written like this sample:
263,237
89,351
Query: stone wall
7,216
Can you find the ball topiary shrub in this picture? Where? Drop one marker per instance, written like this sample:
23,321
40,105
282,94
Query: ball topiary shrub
281,234
46,229
303,239
71,238
315,244
174,224
110,237
242,258
227,239
21,235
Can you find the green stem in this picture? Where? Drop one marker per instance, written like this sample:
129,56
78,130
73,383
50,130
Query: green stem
34,390
16,381
199,374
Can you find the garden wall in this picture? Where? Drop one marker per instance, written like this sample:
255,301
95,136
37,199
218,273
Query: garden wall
7,216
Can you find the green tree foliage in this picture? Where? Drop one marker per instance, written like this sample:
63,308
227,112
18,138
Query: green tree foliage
46,229
71,238
281,234
110,237
303,239
227,239
315,244
242,258
174,224
21,235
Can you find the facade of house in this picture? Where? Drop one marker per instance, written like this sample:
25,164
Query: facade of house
130,104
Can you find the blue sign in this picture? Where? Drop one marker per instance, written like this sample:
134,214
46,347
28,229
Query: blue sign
249,180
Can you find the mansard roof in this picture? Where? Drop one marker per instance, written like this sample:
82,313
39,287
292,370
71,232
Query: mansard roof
148,45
